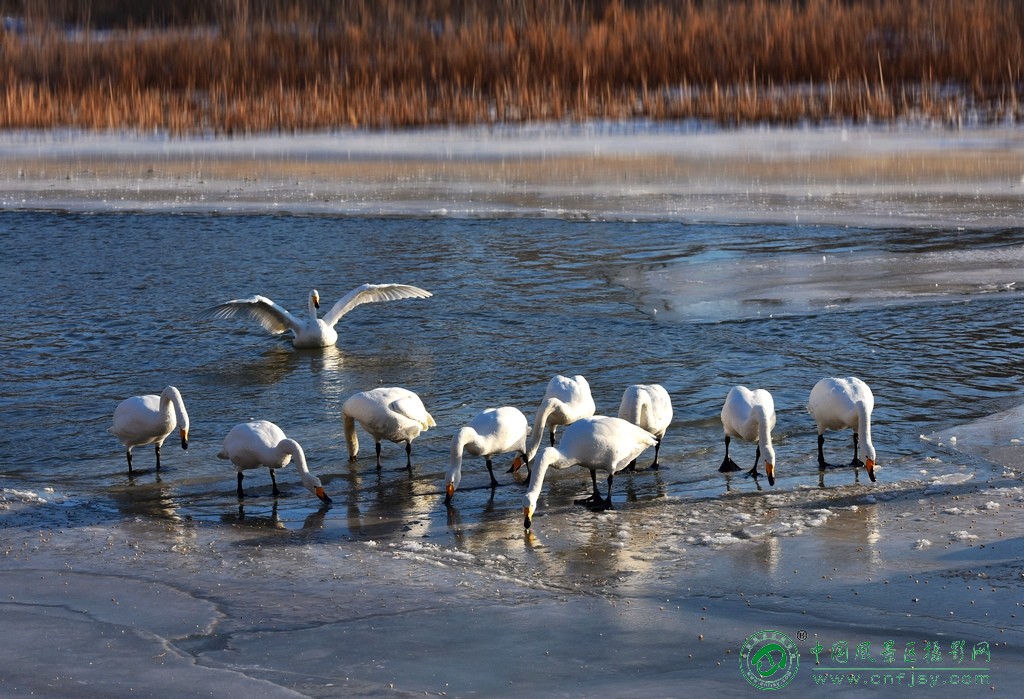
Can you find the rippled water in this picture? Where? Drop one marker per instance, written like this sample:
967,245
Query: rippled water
100,307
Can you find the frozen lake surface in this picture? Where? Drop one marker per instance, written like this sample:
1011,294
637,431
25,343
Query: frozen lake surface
694,258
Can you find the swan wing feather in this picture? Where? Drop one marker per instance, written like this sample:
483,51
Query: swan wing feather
271,316
370,293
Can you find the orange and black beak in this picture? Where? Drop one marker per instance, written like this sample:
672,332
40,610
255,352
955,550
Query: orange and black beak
448,493
323,496
870,466
517,464
769,470
527,517
184,438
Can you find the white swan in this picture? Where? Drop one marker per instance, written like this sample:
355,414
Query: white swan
313,331
565,401
596,443
837,404
648,406
494,431
750,415
142,420
395,414
261,443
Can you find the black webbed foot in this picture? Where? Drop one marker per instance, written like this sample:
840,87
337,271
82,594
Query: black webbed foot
728,466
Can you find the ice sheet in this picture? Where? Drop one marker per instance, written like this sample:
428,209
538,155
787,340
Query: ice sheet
863,176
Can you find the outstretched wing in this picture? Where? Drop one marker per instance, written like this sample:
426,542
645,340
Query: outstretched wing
369,293
271,316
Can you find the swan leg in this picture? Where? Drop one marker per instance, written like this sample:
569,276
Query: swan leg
607,502
552,436
856,461
631,467
158,456
595,500
273,479
757,457
239,491
822,464
408,455
490,470
657,447
129,454
377,448
727,463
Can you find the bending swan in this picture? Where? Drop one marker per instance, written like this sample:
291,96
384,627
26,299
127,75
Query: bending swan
837,404
261,443
596,443
395,414
647,406
494,431
142,420
750,415
313,331
565,401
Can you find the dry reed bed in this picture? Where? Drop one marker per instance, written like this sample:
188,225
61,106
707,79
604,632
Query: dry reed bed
730,62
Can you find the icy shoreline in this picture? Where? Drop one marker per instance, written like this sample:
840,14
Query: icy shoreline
857,176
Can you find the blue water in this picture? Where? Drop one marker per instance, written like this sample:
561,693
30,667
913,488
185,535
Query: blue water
164,581
98,307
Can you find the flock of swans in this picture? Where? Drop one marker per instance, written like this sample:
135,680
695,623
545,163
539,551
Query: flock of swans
595,442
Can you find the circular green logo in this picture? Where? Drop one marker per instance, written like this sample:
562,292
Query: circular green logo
769,659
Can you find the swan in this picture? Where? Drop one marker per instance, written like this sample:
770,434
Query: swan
837,404
494,431
261,443
313,331
750,415
647,406
565,401
395,414
597,443
142,420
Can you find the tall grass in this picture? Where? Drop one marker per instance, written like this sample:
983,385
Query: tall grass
269,65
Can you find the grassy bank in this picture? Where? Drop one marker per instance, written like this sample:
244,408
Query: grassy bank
270,65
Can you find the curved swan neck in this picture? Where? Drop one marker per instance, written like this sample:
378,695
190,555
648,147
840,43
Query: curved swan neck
459,442
540,423
170,399
290,446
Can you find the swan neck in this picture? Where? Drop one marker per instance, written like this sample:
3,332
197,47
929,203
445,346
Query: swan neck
170,400
764,433
459,442
290,446
539,426
864,425
537,475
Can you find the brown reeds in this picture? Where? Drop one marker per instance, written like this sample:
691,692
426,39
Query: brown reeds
270,65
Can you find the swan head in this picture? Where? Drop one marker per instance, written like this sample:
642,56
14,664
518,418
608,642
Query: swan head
451,487
314,296
183,432
769,463
316,487
529,506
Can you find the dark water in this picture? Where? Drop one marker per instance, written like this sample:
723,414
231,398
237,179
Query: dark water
99,307
186,588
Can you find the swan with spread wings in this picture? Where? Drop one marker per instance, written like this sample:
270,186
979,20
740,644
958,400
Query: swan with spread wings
313,331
